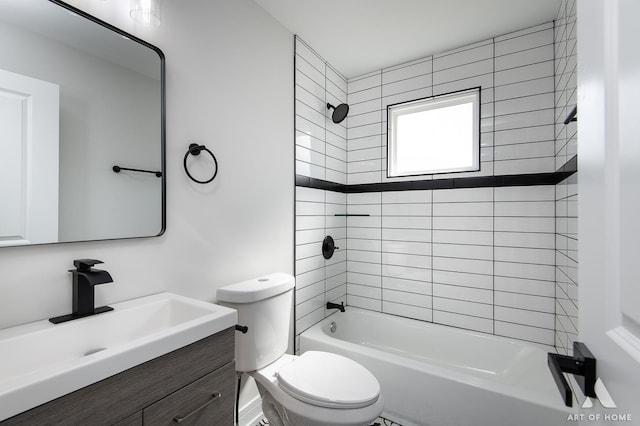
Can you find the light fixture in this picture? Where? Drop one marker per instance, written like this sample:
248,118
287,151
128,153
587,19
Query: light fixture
146,12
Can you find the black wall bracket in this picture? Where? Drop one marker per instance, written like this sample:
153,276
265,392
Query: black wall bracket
582,365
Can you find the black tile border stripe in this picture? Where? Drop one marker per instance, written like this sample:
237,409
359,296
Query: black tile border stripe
528,179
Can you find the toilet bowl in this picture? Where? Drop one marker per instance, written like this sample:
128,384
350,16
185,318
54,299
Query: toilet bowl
314,388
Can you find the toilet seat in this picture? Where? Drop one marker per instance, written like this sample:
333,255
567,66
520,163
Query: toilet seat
329,380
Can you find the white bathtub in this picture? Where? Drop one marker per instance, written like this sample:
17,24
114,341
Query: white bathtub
437,375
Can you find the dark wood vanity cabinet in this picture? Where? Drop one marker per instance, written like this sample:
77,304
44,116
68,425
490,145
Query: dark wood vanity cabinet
194,385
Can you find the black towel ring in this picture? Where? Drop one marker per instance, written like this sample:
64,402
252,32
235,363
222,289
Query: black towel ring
195,149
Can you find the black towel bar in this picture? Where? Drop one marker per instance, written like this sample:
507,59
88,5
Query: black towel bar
117,169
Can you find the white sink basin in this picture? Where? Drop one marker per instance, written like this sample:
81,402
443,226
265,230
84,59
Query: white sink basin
42,361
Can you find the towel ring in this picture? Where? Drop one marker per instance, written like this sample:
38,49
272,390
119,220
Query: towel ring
195,149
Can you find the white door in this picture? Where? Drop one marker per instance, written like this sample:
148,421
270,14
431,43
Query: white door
609,201
29,116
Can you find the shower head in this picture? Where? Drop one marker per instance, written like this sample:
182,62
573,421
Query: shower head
339,113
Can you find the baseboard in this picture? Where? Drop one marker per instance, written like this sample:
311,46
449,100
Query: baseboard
251,413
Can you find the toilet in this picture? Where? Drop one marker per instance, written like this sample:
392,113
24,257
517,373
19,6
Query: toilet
315,388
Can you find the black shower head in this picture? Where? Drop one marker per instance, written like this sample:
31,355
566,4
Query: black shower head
339,113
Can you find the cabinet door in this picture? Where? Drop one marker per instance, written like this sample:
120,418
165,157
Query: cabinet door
207,401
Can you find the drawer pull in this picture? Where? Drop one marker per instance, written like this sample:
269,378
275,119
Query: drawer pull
214,397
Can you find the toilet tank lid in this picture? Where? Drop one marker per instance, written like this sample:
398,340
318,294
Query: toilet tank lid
256,289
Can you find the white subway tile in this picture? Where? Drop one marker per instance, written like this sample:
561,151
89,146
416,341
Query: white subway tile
524,104
408,222
485,81
524,73
364,291
364,95
524,239
406,247
402,297
480,310
525,208
524,88
410,286
406,273
309,142
363,256
410,260
304,83
463,195
409,95
451,60
484,325
471,294
529,302
462,265
524,150
308,69
398,234
505,46
304,279
415,312
309,236
463,223
309,263
407,197
523,332
407,70
482,67
524,270
463,209
525,286
364,268
364,279
359,84
407,85
306,307
463,279
524,135
523,166
525,57
463,251
306,293
365,233
406,209
364,303
463,237
307,321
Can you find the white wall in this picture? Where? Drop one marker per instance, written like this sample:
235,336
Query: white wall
229,86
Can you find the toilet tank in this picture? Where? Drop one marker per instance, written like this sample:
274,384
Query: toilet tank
264,306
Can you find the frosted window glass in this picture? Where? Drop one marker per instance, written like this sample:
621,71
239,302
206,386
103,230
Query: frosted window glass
435,135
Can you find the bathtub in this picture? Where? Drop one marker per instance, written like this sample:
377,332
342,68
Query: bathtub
437,375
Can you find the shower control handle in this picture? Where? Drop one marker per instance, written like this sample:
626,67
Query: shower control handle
328,247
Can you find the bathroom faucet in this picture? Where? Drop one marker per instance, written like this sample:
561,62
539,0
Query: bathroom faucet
84,280
331,305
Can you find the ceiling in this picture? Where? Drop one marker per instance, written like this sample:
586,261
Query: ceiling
360,36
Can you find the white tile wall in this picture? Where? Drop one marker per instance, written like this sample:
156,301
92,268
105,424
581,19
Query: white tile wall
515,72
318,281
321,144
566,192
496,260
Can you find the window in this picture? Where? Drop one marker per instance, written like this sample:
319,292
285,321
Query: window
440,134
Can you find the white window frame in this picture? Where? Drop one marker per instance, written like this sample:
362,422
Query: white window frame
426,104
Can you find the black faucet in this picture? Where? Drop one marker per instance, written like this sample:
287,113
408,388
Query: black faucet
84,279
331,305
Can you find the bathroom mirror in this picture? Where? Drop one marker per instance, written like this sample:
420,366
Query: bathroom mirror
78,97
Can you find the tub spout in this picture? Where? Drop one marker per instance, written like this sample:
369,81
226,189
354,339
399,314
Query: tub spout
331,305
